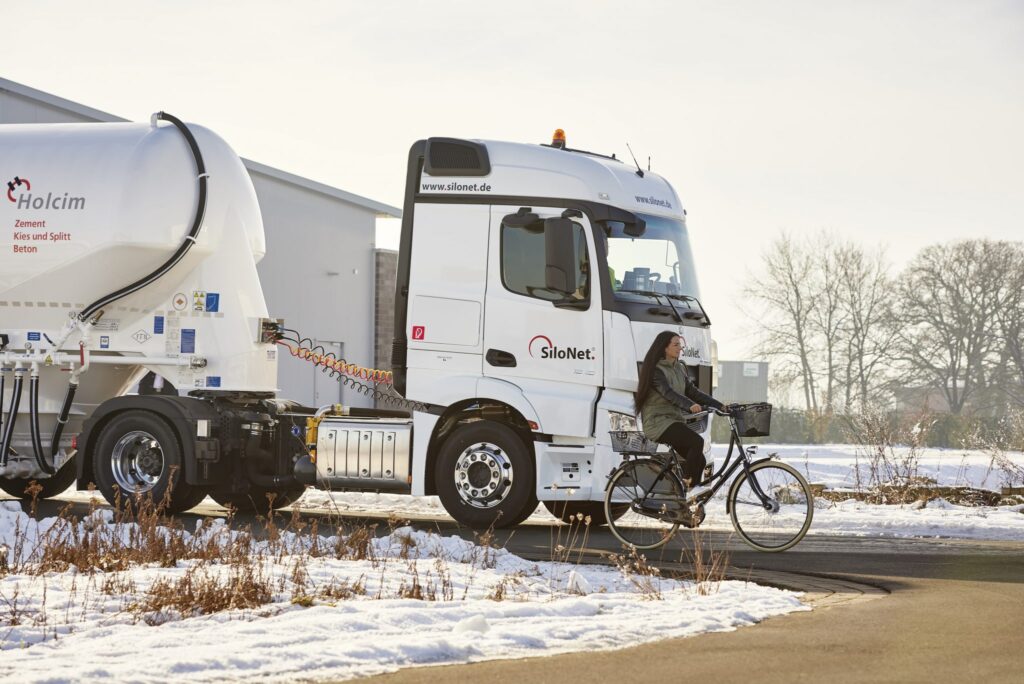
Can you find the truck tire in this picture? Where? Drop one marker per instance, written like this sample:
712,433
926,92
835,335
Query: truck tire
485,476
51,486
139,455
569,511
256,499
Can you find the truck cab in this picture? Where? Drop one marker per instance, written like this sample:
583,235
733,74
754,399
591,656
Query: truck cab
531,281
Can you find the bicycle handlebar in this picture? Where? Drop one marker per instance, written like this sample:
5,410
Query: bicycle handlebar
718,412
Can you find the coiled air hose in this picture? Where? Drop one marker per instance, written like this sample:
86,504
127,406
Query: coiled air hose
366,381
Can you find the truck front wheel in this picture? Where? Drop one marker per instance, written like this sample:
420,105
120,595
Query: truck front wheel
139,457
485,476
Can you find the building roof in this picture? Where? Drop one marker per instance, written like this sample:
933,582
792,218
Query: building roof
90,114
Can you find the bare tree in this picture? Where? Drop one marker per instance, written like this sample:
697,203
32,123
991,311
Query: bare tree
828,316
866,295
1010,327
949,299
786,291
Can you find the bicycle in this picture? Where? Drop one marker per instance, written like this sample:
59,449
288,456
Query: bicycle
770,504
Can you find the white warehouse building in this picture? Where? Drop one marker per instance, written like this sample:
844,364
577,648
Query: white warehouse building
325,293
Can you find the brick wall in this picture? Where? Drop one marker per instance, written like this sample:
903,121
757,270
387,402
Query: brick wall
386,268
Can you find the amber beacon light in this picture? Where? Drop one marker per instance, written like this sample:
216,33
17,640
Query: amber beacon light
558,139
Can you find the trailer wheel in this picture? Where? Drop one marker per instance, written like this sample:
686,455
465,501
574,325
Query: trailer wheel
257,499
570,511
138,457
51,486
485,476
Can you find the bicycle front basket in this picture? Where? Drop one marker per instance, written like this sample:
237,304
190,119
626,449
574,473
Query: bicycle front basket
754,420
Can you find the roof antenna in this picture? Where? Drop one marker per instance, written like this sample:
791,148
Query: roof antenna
639,171
648,162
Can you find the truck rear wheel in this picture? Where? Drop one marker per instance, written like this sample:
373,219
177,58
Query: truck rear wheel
51,486
257,499
570,511
138,456
485,476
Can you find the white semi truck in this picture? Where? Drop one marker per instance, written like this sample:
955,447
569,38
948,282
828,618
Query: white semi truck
531,280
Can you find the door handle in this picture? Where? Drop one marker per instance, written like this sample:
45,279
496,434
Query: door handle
499,358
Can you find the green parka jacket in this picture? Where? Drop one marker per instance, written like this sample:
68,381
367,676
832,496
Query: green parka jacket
670,398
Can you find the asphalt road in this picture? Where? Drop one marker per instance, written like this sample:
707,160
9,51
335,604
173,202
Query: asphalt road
909,610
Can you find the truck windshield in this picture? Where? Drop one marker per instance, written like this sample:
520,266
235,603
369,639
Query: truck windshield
658,261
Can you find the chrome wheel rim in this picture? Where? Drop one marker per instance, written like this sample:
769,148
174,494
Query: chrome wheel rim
137,462
483,475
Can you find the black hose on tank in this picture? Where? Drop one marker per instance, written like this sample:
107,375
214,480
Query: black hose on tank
62,420
12,416
3,382
37,442
186,244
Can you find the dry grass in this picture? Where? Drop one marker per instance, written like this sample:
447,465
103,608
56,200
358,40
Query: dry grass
220,566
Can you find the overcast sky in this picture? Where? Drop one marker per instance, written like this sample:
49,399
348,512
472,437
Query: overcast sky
887,122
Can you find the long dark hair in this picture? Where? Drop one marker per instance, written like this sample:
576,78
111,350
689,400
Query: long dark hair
655,354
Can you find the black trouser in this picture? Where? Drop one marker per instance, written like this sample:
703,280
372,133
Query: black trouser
690,447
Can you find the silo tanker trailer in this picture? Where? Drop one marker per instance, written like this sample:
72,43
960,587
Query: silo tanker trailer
531,279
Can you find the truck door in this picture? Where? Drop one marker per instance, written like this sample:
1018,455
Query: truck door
542,319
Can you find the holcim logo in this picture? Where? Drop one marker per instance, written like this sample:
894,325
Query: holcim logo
50,201
542,347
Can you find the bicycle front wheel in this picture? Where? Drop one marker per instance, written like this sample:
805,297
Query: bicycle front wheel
771,506
627,486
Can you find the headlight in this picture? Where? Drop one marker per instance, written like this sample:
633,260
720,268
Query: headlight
621,421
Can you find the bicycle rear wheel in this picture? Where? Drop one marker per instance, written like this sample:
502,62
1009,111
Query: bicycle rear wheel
779,521
627,486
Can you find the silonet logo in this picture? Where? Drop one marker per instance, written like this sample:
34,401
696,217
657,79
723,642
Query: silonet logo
542,347
688,350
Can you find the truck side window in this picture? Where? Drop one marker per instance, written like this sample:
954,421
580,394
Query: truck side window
523,262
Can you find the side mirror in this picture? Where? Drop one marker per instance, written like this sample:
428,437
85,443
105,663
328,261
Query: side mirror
560,256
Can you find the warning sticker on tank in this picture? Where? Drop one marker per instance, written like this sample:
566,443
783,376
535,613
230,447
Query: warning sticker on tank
141,336
107,324
158,325
179,301
198,300
213,381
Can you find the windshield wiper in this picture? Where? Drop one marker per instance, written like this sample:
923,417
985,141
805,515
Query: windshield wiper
669,298
688,298
658,296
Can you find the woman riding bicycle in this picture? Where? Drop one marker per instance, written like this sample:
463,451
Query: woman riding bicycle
664,396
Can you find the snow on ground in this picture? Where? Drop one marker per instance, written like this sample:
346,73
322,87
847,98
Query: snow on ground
833,465
77,626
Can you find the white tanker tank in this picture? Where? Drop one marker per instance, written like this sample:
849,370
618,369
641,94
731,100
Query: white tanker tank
127,248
